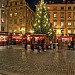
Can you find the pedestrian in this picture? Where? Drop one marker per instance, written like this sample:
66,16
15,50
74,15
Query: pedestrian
42,43
32,43
38,45
25,43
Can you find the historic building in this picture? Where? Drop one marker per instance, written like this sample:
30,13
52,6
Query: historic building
62,16
3,15
19,17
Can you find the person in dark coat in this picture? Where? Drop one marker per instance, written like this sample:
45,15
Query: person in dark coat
42,43
32,43
72,44
25,43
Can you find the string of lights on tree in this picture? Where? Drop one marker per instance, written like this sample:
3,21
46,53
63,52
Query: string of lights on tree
42,23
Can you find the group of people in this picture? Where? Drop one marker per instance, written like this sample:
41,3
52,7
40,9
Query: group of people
40,44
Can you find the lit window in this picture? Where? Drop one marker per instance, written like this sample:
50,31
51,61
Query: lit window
15,8
55,23
74,15
15,29
2,5
62,31
62,23
62,14
69,31
74,22
69,23
55,15
3,19
69,14
74,31
10,14
15,14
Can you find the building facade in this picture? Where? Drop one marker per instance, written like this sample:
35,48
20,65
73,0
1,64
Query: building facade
62,16
19,17
3,15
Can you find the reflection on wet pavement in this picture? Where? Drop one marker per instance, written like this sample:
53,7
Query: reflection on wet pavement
50,62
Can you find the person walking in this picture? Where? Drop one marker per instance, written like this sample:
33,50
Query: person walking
25,43
42,43
38,45
32,43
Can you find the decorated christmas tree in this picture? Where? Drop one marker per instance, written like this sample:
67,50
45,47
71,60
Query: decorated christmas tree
42,23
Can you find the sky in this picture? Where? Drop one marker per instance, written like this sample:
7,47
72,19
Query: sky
32,3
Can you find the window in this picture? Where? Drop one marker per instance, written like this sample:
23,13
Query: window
15,14
62,8
62,14
54,8
74,31
62,31
20,13
21,2
10,4
69,14
62,23
74,22
55,15
15,29
15,21
73,8
15,3
10,9
10,14
15,8
3,20
2,28
69,23
20,7
20,21
10,29
55,22
10,22
2,5
74,15
69,8
69,31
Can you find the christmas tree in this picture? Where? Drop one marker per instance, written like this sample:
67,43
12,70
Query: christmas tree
42,25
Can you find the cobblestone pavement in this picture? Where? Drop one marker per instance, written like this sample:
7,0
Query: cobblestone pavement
51,62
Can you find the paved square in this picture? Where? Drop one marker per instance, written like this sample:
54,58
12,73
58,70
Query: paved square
51,62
